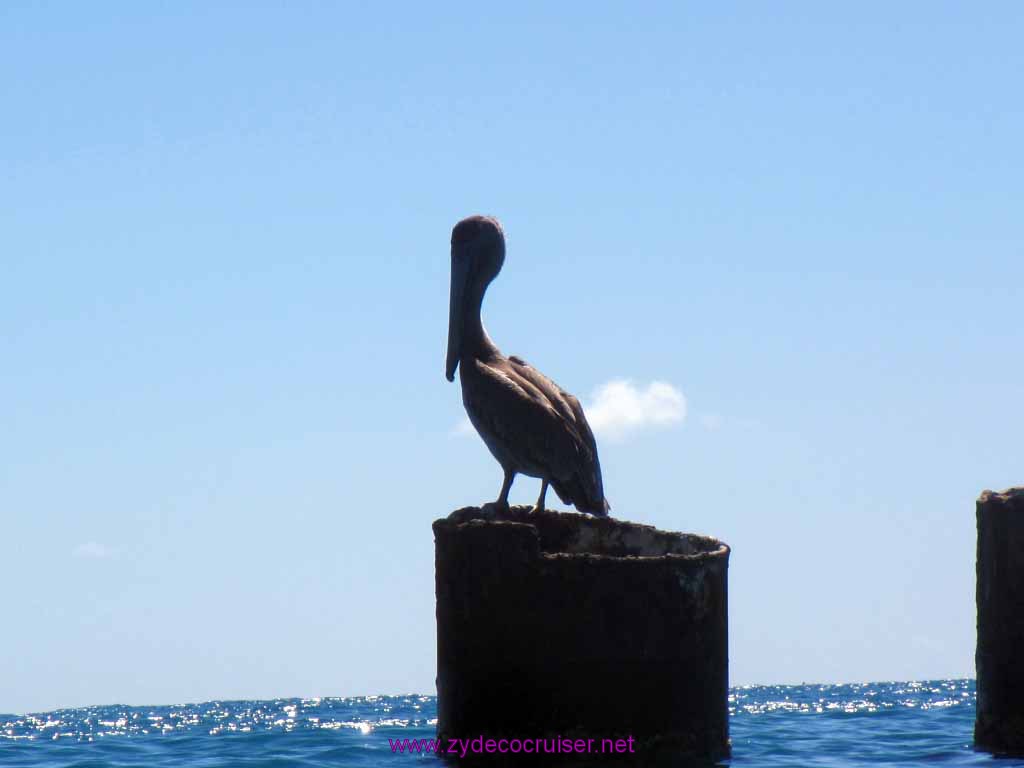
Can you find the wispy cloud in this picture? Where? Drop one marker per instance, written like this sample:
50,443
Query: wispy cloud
91,550
620,408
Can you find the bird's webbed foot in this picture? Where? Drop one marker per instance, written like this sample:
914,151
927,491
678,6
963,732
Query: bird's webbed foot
494,509
499,506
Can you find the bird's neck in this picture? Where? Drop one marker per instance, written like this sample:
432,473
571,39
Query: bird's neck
475,341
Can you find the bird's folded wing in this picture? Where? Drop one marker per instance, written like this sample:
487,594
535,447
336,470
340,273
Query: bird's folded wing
518,409
586,466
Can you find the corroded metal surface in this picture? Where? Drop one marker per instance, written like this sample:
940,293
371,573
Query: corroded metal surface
561,624
999,658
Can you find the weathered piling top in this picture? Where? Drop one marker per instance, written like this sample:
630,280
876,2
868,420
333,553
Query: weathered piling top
571,533
1001,498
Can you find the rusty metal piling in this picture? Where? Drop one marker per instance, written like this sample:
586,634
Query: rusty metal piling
999,658
564,625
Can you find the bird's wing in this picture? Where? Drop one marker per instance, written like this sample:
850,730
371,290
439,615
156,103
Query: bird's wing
526,424
545,427
584,485
544,389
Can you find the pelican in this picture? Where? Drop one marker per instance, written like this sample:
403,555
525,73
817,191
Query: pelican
530,424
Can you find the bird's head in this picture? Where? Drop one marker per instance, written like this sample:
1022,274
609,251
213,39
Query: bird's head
478,243
478,251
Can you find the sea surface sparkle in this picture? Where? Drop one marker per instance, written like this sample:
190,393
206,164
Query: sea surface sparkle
877,724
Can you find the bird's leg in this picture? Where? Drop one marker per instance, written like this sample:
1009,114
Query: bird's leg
501,504
539,507
505,488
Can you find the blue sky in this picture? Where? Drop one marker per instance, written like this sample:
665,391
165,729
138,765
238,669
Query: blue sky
224,244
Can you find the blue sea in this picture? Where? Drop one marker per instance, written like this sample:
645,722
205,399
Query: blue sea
876,724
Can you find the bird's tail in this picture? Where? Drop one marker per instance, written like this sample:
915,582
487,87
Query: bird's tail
576,494
601,510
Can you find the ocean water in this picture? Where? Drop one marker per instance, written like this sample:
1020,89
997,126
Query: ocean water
876,724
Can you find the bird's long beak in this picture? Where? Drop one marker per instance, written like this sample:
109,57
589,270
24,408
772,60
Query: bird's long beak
460,272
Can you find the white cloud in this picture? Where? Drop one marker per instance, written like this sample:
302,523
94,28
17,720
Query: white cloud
91,550
619,408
